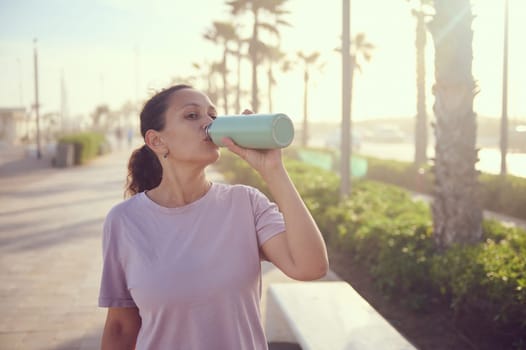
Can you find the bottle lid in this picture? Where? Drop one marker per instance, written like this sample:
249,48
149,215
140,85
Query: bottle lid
283,130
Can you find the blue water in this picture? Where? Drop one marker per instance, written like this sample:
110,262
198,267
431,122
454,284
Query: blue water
489,158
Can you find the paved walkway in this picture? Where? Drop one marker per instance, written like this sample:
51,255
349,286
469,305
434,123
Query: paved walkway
50,251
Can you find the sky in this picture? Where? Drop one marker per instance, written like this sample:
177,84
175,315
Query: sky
113,51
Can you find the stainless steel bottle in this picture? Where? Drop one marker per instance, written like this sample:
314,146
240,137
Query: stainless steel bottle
258,131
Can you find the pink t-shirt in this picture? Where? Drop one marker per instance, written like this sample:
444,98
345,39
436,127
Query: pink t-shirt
194,272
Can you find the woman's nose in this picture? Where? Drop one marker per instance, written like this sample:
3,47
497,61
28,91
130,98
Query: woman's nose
207,120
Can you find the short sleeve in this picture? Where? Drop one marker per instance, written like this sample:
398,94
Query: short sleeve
114,291
268,219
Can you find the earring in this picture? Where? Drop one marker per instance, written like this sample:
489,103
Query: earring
166,155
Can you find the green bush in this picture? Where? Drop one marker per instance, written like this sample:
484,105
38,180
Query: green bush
487,281
505,195
403,174
87,145
236,170
387,232
319,188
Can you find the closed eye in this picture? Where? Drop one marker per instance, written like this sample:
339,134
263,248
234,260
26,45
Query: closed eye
192,115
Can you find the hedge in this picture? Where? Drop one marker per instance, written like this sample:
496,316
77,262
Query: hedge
87,145
502,194
390,236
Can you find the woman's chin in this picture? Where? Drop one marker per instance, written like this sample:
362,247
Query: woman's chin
213,156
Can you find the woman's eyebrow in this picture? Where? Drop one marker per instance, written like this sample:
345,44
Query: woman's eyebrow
195,104
191,104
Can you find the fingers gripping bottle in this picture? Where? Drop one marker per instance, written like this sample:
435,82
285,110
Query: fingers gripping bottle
257,131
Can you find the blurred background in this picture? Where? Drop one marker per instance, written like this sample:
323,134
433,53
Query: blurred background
99,60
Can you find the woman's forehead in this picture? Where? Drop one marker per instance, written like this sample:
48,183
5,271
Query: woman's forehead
182,98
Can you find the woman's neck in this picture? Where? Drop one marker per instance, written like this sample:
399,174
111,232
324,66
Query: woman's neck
177,190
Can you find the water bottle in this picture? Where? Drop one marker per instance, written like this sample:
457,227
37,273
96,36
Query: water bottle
257,131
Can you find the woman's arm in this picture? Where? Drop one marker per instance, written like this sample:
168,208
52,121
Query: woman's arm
121,328
300,252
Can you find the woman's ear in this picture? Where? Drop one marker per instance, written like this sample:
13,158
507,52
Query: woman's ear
153,140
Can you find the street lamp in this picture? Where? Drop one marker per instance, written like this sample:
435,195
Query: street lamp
504,117
345,152
35,59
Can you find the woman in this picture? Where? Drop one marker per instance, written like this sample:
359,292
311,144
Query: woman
182,255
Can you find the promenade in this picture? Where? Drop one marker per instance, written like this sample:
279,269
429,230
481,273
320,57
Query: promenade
50,250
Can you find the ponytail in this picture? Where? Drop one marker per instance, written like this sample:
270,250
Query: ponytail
144,171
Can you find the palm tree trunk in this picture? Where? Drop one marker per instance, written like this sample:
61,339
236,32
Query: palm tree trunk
421,115
270,78
238,87
254,57
457,216
225,81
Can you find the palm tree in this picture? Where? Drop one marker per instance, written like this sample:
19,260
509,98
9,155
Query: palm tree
223,33
128,111
256,7
238,53
309,61
205,72
200,78
420,11
504,118
272,55
360,49
457,216
216,69
100,116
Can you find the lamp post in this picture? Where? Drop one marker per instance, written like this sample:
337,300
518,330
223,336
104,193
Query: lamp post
35,58
345,152
504,118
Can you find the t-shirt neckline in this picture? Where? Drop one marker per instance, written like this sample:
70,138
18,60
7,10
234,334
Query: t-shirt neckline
176,210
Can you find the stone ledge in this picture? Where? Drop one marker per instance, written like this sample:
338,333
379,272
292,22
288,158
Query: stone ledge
327,315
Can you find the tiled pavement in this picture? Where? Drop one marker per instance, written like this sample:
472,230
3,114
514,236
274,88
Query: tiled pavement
50,229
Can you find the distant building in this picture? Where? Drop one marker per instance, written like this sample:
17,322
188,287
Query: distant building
13,125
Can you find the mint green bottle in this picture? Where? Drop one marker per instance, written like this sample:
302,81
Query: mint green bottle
258,131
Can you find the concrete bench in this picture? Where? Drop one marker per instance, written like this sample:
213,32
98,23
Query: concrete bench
327,315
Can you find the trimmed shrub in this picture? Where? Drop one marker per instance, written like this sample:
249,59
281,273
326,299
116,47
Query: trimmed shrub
504,194
88,145
501,194
486,283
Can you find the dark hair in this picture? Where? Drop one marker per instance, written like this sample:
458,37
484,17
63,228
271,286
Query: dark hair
144,169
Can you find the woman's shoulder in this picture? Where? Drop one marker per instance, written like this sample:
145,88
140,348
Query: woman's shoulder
234,189
125,206
239,192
